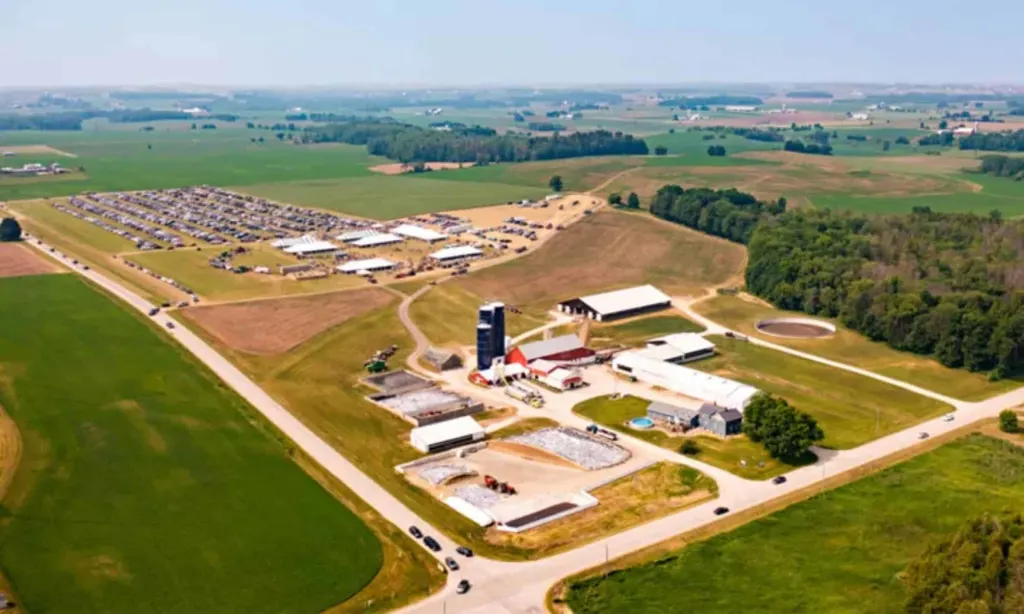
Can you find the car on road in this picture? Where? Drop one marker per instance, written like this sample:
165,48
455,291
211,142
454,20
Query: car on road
154,311
719,511
431,543
415,532
780,479
170,325
948,418
464,551
463,587
450,562
922,435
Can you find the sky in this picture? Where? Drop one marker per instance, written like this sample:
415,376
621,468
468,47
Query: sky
497,42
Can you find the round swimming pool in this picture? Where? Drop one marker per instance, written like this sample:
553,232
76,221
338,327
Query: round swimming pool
641,423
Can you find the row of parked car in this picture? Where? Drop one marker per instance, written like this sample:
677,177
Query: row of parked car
449,562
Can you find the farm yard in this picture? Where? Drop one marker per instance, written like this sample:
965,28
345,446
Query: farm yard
841,551
87,530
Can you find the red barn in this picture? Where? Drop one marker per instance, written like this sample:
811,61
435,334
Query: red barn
567,349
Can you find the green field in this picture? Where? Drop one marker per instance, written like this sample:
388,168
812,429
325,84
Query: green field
840,552
145,485
991,193
854,349
447,315
737,455
635,332
384,197
845,404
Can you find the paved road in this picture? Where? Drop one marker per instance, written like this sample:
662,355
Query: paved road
521,587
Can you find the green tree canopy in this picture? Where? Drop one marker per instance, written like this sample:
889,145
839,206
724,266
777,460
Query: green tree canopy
615,199
633,201
10,230
1008,422
555,183
784,431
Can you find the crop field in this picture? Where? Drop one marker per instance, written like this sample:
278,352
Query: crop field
277,325
447,315
18,260
384,197
737,454
606,251
578,174
851,348
140,474
846,405
839,552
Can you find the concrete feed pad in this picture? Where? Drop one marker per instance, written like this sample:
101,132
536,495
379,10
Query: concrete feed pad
18,260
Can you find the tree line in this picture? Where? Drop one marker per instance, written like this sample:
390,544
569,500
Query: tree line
809,94
693,102
1003,166
994,141
946,285
408,143
72,120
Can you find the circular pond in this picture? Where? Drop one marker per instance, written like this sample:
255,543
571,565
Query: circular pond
798,328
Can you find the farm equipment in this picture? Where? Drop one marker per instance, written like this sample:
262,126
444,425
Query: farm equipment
375,366
490,482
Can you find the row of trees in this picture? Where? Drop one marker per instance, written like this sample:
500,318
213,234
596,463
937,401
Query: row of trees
785,432
716,150
994,141
808,148
692,102
724,213
1003,166
72,120
758,134
407,143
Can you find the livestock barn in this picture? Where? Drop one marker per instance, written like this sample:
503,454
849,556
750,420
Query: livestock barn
567,349
618,304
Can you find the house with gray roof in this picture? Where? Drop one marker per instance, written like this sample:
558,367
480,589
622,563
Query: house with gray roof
673,414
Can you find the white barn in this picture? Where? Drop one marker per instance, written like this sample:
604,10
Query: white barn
684,380
618,304
451,254
377,240
418,232
447,434
370,264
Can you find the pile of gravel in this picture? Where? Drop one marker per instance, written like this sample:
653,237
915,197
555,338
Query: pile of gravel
574,446
439,474
479,496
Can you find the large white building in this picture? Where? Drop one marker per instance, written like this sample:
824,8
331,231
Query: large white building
447,434
370,265
418,232
377,240
679,348
618,304
452,254
310,248
684,380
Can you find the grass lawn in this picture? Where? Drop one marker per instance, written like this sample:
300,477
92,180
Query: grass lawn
726,454
386,197
845,404
840,552
607,251
635,332
852,348
73,228
447,315
141,472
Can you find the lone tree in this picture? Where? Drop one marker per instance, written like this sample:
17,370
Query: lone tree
615,199
556,183
633,201
784,431
10,230
1008,422
716,150
660,150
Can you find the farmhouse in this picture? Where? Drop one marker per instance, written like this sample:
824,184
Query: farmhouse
418,232
721,422
455,254
618,304
445,435
682,380
377,240
673,415
679,348
567,349
370,264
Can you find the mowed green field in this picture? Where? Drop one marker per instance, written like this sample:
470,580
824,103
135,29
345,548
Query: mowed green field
387,197
145,485
840,552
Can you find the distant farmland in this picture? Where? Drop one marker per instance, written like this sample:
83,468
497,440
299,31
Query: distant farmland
144,485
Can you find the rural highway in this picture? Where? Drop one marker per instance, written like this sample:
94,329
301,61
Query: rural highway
503,587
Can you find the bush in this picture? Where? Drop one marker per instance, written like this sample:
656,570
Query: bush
689,448
1008,422
10,230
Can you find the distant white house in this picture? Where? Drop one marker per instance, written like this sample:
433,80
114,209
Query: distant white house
859,116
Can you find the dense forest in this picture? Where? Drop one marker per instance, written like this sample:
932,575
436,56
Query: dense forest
72,120
1003,166
994,141
979,570
458,143
948,285
809,94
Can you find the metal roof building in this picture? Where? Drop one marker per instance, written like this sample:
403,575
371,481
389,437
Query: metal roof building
447,434
370,264
689,382
564,349
618,304
312,247
355,235
418,232
377,239
679,348
456,253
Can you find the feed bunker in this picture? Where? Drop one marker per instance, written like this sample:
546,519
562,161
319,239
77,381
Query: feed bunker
551,472
417,400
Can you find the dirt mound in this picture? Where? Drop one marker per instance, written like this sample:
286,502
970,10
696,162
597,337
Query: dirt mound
18,260
275,326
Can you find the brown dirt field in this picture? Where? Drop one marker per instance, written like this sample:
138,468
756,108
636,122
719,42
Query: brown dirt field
610,250
399,168
530,453
10,451
275,326
18,260
36,149
793,329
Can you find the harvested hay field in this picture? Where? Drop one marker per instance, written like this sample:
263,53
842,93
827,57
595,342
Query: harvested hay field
399,168
10,451
610,250
275,326
18,260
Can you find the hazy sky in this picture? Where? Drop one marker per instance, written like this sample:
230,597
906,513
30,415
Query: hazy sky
530,42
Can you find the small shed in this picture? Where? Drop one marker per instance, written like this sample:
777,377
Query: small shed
442,360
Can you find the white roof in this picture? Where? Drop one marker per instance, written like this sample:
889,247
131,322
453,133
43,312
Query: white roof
683,343
661,352
291,241
689,382
418,232
462,251
355,235
377,239
470,511
441,432
311,248
545,366
626,300
365,265
562,374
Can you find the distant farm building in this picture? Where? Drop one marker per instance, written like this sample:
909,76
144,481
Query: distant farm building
355,235
720,391
679,348
377,240
311,248
564,350
449,255
618,304
418,232
446,435
370,265
442,360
